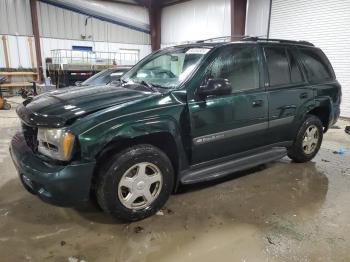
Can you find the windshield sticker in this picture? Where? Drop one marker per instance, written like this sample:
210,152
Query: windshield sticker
199,51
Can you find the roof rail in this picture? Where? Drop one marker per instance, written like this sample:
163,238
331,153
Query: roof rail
229,38
301,42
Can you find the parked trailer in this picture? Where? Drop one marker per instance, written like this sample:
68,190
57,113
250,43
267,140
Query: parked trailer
66,66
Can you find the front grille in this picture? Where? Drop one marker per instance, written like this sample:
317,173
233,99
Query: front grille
30,135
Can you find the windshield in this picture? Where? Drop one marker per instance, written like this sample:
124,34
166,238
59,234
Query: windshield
167,69
101,78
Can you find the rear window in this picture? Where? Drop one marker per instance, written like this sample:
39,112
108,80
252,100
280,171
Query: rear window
282,66
295,73
317,66
278,66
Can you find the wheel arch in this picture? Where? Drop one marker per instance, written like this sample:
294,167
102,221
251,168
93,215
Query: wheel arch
161,133
162,140
323,110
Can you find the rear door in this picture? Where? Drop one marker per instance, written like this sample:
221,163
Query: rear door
234,123
287,92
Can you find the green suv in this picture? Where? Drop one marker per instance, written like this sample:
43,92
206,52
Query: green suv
182,115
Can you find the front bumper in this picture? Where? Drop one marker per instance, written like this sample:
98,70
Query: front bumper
64,185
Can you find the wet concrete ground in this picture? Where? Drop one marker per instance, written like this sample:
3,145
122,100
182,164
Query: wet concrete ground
281,211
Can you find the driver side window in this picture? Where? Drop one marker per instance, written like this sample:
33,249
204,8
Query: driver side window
239,65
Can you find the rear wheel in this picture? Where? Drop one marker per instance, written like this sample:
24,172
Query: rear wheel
135,183
308,140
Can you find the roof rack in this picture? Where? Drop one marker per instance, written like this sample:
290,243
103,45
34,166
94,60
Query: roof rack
229,38
233,38
301,42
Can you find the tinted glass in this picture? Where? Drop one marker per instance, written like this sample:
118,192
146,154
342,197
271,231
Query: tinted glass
167,68
278,66
239,65
295,72
316,64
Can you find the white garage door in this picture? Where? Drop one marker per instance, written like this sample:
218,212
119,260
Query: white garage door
325,23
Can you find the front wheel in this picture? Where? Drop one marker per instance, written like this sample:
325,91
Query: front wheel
135,183
308,141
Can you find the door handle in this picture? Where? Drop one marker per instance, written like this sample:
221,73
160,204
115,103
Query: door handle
257,103
303,95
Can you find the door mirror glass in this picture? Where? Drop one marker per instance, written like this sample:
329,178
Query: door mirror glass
115,82
215,87
116,76
78,83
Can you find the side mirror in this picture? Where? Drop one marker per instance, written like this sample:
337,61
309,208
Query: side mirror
115,82
215,87
115,78
78,83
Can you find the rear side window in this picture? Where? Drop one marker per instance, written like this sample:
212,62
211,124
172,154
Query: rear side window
277,65
317,66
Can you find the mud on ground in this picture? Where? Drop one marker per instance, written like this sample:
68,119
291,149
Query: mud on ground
281,211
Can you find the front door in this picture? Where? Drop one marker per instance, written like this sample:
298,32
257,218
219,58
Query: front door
234,123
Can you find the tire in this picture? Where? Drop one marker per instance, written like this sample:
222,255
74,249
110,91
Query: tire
7,106
301,152
125,168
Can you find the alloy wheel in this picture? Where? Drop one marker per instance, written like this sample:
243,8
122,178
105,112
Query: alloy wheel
311,138
140,185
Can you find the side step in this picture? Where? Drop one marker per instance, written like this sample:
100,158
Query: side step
195,175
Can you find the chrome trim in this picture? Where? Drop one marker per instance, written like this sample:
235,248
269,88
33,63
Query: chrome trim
229,133
281,121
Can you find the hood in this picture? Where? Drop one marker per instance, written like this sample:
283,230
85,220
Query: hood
56,108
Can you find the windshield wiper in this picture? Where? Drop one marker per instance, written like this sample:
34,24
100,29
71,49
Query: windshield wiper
156,85
152,87
148,85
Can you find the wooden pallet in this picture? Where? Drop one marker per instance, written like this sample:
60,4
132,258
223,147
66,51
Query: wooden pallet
16,84
18,74
35,75
11,84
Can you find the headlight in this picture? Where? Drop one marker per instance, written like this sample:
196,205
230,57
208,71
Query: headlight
56,143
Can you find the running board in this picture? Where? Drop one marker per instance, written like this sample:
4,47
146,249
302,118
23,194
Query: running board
195,175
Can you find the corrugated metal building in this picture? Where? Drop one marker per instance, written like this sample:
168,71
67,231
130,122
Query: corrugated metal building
324,23
61,28
196,20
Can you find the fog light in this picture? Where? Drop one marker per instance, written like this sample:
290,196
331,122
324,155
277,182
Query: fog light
27,181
